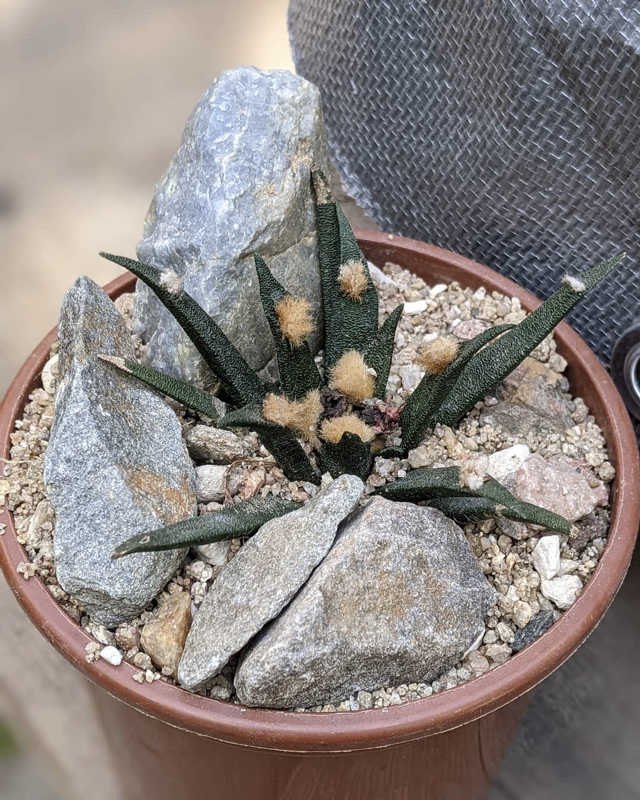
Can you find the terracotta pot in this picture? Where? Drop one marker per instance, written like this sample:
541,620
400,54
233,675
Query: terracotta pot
446,747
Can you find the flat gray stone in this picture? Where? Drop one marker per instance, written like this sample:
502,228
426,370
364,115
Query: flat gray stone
239,184
399,599
116,465
262,578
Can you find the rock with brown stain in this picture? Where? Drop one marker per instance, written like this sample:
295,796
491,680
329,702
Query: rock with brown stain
116,465
399,599
164,635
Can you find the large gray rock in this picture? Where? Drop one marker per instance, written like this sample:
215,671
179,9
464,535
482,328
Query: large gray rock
239,184
265,574
116,465
399,599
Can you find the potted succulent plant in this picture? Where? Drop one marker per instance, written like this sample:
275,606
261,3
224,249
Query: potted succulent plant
332,417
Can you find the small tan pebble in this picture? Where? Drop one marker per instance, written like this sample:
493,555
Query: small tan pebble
477,662
522,614
26,569
505,632
92,650
606,471
164,635
143,661
127,636
150,676
138,677
498,653
112,655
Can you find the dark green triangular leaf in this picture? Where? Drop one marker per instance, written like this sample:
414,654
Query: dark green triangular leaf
350,456
279,441
434,484
298,371
233,522
238,379
186,393
422,406
349,324
379,354
500,358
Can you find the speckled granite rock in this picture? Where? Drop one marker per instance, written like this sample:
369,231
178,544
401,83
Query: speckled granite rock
116,465
262,578
239,184
399,599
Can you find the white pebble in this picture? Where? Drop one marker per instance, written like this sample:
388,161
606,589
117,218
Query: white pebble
415,308
210,483
437,289
562,591
506,462
546,557
112,655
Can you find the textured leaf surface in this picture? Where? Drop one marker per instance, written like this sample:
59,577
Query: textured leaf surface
298,371
434,484
233,522
349,324
279,441
379,354
238,379
502,357
189,395
349,456
422,406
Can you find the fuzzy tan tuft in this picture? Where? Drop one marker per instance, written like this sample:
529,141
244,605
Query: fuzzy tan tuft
294,318
333,429
435,356
298,415
172,282
117,362
352,377
353,280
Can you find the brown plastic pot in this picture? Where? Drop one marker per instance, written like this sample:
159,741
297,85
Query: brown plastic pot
171,744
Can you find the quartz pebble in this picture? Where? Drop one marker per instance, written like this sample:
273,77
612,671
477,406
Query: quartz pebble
210,481
546,557
562,591
112,655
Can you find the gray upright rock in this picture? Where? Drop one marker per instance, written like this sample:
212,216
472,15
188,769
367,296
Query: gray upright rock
262,578
399,599
116,465
239,184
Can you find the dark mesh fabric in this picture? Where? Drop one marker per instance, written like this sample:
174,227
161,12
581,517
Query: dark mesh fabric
507,131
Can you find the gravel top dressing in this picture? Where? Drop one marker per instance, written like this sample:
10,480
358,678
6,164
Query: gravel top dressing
530,434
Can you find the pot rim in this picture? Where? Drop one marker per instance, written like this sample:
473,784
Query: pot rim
381,727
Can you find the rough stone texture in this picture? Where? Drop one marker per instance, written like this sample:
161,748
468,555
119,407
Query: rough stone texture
514,418
116,465
262,578
210,480
535,385
164,635
213,444
216,553
562,591
546,557
400,598
239,184
538,625
559,484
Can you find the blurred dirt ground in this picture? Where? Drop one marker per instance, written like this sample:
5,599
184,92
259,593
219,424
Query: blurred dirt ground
95,96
